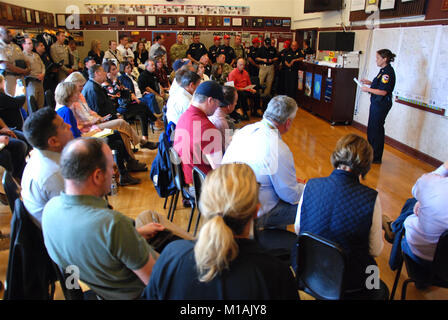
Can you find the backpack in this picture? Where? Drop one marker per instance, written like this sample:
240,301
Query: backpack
161,174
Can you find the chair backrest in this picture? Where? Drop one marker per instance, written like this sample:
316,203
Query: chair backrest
177,171
320,266
32,104
49,99
12,189
69,294
198,179
440,262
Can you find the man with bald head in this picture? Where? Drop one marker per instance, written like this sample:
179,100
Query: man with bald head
291,67
80,228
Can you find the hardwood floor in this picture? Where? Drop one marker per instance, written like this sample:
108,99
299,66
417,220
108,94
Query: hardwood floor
312,141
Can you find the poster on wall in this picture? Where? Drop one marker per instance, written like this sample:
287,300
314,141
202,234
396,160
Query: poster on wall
317,86
300,81
308,83
387,4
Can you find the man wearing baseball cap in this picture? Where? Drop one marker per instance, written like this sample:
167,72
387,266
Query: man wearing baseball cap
213,50
228,51
197,141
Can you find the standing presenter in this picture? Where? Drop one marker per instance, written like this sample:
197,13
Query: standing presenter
380,90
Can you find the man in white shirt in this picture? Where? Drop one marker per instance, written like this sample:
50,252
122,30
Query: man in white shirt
179,64
42,180
260,145
123,47
180,101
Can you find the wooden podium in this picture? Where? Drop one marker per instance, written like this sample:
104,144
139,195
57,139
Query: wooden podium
327,92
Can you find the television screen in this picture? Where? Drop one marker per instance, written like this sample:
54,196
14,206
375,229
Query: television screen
336,41
322,5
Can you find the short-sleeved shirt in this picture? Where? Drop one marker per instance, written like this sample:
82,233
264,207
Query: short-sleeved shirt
196,50
10,52
253,275
59,53
41,181
102,243
67,115
36,64
178,51
195,136
291,55
228,52
267,53
385,80
213,53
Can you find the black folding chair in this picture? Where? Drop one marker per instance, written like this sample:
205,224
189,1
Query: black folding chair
439,269
321,266
32,104
12,189
182,187
49,99
198,179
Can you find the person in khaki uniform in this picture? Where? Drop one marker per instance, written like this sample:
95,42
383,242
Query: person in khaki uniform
35,80
179,49
238,48
12,61
59,53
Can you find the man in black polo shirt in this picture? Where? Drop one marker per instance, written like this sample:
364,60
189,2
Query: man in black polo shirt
213,50
148,83
196,50
252,66
228,51
267,56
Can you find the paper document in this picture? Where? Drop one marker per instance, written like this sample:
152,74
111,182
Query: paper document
359,83
101,134
249,87
230,84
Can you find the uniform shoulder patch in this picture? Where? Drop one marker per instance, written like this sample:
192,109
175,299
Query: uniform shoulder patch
385,78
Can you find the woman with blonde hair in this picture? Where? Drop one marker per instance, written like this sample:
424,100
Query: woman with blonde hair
224,263
341,209
96,52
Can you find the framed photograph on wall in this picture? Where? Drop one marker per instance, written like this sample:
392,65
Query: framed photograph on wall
61,20
444,5
237,22
37,14
218,21
141,21
113,19
105,20
201,21
226,22
151,21
191,21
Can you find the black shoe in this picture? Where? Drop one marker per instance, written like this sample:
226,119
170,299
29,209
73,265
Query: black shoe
186,203
3,199
136,166
127,180
376,161
389,235
149,145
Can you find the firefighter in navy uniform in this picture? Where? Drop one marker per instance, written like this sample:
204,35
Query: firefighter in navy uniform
213,50
196,50
252,66
267,57
291,61
228,51
381,89
281,74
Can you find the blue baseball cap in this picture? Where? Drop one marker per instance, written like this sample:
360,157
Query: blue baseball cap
213,90
179,63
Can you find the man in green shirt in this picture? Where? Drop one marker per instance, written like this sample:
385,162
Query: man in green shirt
179,49
240,52
80,229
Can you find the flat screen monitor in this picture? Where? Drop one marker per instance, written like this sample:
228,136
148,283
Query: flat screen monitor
336,41
322,5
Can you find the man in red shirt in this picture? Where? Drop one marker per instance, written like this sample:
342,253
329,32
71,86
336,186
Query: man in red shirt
241,81
196,139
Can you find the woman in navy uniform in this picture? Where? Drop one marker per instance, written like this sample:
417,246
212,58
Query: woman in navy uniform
381,89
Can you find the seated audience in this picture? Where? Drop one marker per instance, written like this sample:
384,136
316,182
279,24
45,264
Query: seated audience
216,74
96,52
113,256
341,209
13,151
221,119
226,68
89,120
161,75
11,108
66,95
88,63
148,83
241,81
260,145
423,220
205,60
113,54
135,71
130,82
181,99
196,140
180,64
224,263
200,70
141,55
42,180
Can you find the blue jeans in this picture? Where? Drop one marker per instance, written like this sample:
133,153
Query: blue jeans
150,100
282,215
